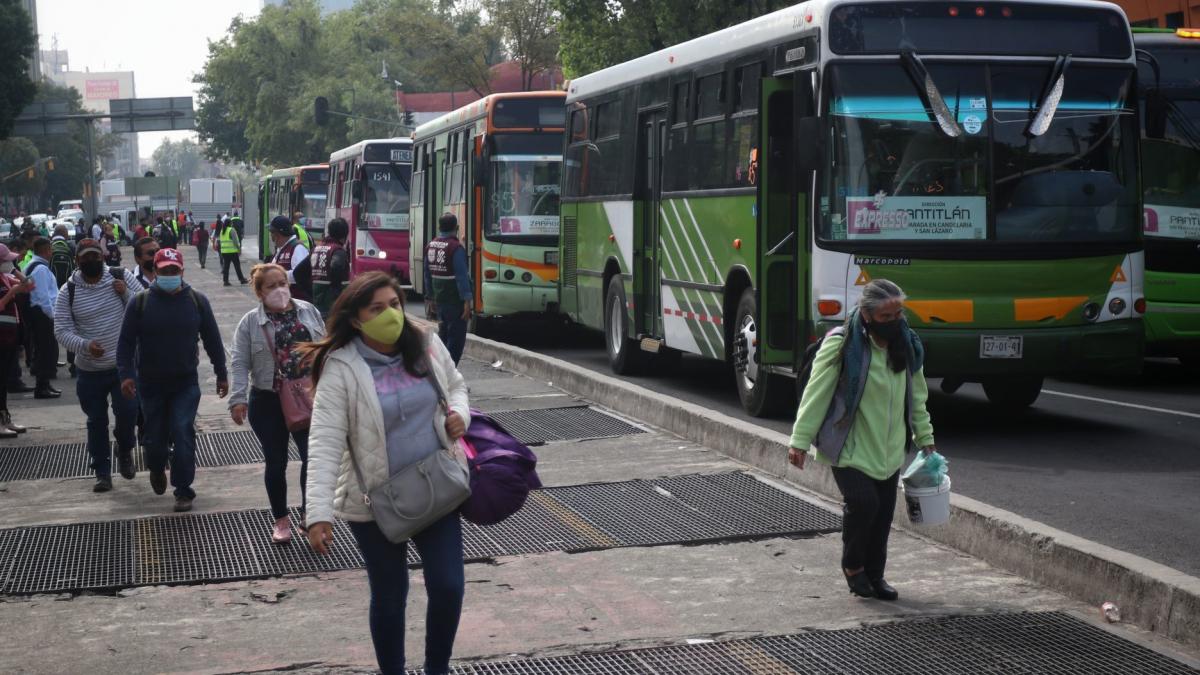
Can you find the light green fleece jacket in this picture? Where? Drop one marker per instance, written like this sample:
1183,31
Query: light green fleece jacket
876,445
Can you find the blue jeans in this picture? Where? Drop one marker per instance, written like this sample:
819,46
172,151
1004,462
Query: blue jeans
441,549
452,328
266,419
170,412
95,389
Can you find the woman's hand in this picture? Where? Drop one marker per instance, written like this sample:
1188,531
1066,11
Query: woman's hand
320,537
238,413
455,427
796,457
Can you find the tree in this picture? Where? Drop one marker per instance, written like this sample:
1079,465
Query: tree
16,49
183,160
596,35
530,32
16,154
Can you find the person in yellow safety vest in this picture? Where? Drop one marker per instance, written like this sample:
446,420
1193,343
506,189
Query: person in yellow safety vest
229,245
301,232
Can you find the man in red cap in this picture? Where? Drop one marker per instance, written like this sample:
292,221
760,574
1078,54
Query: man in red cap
161,324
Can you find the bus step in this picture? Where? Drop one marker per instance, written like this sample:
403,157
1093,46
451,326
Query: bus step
652,345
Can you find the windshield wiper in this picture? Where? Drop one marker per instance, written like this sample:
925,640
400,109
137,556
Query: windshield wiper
1051,96
939,111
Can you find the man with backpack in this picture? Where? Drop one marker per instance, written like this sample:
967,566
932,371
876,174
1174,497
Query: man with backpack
165,234
62,256
87,321
157,359
41,318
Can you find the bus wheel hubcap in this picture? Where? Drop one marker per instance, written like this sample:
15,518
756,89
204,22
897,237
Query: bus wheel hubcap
615,338
748,337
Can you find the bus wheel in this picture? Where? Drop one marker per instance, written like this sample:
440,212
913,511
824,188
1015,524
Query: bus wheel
624,355
1013,393
763,394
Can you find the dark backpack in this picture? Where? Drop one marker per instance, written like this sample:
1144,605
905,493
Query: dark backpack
503,471
117,273
810,355
62,263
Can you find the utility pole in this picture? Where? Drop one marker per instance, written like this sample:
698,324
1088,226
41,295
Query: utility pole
91,211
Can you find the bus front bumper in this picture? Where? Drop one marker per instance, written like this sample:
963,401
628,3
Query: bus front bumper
508,299
1115,347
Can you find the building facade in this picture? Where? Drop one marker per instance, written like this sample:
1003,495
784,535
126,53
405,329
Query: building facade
1162,13
97,89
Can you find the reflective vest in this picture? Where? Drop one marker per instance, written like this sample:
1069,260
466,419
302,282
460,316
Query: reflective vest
228,241
304,236
439,258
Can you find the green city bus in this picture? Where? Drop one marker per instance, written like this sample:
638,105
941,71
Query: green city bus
288,191
496,165
729,196
1169,84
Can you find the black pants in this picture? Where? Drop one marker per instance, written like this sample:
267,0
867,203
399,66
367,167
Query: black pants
202,254
8,359
868,508
266,419
234,259
45,347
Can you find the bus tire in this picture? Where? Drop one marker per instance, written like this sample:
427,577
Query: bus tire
624,355
1013,393
763,394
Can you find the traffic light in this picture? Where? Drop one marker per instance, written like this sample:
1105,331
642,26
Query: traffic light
29,173
321,111
408,118
50,164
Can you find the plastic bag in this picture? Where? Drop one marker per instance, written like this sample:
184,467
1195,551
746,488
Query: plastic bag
926,471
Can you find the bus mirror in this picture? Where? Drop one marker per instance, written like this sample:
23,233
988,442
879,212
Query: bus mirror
809,143
478,172
1156,114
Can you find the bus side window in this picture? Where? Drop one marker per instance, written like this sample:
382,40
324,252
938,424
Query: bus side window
743,126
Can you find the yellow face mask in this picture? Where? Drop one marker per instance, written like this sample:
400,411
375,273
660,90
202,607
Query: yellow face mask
385,327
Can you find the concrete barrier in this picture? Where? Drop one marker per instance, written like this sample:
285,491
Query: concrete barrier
1150,595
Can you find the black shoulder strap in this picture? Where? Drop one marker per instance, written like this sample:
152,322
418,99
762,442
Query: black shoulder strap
71,295
117,273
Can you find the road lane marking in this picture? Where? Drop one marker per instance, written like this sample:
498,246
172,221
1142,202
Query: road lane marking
1165,411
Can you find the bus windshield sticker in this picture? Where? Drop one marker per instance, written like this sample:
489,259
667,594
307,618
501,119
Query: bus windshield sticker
535,225
884,217
1174,222
972,124
978,104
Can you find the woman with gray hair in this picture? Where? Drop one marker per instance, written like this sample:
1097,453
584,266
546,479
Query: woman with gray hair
863,409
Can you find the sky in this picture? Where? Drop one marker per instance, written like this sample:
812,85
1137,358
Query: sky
165,42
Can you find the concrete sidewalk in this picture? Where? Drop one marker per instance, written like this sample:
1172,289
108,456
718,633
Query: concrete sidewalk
531,605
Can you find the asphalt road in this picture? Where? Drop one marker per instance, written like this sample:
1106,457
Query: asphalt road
1114,460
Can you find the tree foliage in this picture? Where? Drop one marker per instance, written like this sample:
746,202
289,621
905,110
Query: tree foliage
597,35
183,160
529,29
17,44
16,154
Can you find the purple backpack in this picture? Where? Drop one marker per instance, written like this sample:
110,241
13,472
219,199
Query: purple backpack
503,471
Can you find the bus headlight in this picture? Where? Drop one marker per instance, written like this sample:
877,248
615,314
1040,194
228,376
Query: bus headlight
1116,306
1091,311
382,255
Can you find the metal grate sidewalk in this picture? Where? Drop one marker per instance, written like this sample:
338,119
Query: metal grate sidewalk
211,547
538,426
1020,643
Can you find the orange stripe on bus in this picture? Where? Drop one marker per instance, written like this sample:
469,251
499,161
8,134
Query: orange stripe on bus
546,272
1040,309
943,311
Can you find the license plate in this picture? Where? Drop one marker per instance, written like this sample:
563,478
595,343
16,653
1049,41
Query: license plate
551,257
1001,346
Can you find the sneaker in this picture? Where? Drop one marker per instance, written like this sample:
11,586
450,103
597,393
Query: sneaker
282,533
158,481
103,484
5,432
183,504
125,464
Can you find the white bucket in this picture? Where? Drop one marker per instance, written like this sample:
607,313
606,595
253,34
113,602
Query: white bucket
928,506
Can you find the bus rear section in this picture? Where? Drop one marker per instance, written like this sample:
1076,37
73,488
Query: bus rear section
1170,97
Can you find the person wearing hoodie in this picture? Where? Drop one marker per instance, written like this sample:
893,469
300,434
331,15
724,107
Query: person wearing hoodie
87,321
157,358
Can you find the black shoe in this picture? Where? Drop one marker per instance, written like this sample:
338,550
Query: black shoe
46,392
183,504
228,284
859,585
125,465
158,481
103,484
884,590
19,387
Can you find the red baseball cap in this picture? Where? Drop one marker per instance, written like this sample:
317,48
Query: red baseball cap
167,257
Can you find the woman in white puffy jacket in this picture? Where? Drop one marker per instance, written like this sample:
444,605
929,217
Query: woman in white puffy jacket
376,397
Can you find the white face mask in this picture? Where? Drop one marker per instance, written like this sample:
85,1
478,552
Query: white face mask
277,299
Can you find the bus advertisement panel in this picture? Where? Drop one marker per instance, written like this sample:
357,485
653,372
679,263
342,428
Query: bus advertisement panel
369,186
1170,96
730,196
496,164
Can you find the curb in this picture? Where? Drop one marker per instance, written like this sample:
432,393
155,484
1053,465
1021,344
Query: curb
1150,595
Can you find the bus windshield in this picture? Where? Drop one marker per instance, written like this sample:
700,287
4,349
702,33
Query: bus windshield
385,196
897,175
312,204
1171,164
525,191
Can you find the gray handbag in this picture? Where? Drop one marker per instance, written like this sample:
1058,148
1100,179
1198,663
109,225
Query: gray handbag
420,493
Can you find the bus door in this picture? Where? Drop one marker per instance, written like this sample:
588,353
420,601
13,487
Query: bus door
652,134
779,210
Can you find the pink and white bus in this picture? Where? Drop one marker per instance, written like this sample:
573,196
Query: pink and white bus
368,186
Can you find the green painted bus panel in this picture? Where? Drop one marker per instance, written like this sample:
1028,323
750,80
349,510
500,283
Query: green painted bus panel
1173,313
1000,294
594,250
1172,287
